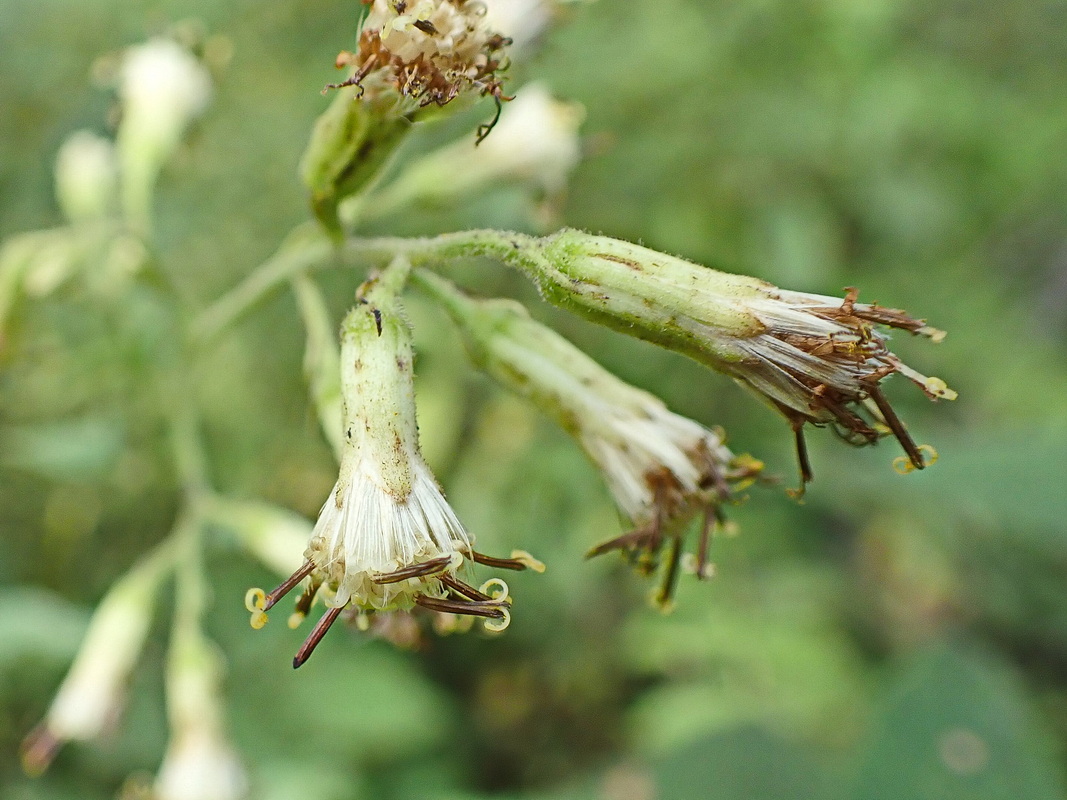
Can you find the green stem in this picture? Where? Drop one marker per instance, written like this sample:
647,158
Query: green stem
510,248
305,249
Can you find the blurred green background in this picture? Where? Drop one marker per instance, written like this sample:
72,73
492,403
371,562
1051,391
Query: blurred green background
892,637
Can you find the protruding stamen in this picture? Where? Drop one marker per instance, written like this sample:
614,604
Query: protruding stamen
287,585
255,599
309,645
670,576
711,519
519,560
895,425
471,607
414,570
464,590
806,475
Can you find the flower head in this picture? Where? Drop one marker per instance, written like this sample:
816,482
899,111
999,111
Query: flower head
163,88
200,763
386,539
816,359
426,52
662,469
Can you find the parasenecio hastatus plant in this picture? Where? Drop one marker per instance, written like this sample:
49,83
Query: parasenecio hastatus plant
387,553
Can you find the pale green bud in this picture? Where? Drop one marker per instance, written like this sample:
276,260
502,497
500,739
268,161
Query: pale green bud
200,763
349,145
534,144
86,177
163,88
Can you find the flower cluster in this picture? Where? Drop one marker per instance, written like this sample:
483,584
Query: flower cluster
662,468
814,358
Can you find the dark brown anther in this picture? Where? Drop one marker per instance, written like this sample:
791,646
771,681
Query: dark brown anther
473,609
806,475
497,563
486,128
641,537
712,518
377,319
303,603
425,26
896,426
464,590
287,585
414,570
309,645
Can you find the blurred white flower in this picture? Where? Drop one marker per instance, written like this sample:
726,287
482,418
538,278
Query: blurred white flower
536,143
522,21
163,88
86,177
200,763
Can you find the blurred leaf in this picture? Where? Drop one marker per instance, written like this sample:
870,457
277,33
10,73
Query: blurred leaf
745,764
957,725
34,622
65,450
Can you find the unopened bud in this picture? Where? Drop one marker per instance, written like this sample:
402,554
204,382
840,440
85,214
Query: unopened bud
86,177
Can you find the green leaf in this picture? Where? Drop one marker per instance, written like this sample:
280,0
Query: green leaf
957,725
745,764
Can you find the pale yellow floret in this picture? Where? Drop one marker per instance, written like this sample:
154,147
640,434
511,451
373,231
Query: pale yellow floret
528,560
938,388
495,588
255,599
295,619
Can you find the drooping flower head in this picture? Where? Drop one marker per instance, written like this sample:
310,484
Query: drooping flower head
386,539
426,52
662,469
816,359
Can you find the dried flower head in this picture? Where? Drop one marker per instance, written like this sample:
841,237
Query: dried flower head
426,52
816,359
820,359
662,469
386,539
